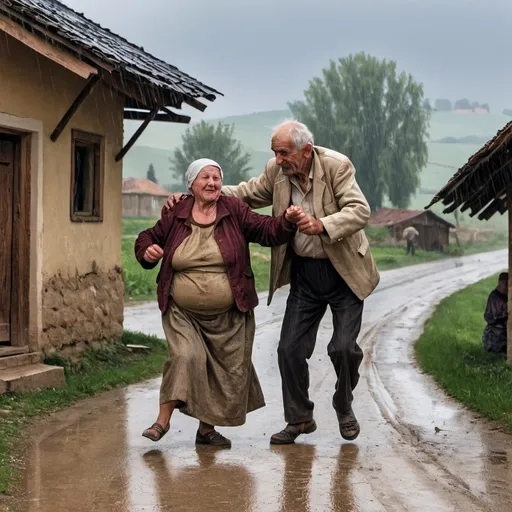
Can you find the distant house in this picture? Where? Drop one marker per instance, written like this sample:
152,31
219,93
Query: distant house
434,231
142,198
66,85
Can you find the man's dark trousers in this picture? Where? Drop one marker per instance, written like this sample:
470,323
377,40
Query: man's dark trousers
315,284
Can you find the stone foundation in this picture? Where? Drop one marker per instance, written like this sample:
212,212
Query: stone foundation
83,309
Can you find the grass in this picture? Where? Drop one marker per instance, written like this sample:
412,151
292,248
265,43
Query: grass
388,258
132,227
101,369
451,350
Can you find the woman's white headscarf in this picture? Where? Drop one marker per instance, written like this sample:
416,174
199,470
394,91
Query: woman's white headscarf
196,167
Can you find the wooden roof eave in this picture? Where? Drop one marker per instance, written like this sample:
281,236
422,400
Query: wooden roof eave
80,53
150,98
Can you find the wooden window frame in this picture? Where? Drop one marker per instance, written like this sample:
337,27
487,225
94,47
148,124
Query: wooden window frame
99,165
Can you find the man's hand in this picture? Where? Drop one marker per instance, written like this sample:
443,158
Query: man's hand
174,199
310,226
293,214
153,253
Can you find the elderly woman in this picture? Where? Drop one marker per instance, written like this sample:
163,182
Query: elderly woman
206,293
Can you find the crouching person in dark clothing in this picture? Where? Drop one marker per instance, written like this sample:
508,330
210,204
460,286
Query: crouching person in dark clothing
494,337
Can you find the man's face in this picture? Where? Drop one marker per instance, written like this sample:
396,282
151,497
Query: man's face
503,287
289,158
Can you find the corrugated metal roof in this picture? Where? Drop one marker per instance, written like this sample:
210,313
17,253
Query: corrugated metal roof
481,184
387,217
392,216
141,186
127,58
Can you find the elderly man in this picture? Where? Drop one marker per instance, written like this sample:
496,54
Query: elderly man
329,263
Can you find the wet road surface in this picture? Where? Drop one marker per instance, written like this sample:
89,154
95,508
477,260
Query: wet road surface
92,457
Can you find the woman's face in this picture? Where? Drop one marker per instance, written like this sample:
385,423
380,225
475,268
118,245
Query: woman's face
207,185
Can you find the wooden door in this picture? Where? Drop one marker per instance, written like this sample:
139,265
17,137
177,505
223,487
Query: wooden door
7,165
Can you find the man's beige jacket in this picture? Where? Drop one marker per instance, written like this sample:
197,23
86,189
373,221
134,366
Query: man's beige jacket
338,203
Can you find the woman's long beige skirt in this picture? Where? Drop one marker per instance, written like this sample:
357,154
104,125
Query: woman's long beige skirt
209,370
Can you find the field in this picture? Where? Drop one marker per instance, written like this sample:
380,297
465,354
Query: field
253,130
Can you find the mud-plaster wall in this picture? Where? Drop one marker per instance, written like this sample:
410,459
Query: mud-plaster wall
82,282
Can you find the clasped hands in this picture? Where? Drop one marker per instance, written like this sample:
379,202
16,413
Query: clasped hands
305,223
295,214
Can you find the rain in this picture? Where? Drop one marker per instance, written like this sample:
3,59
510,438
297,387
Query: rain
412,102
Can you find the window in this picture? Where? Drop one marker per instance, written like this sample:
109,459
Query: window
86,177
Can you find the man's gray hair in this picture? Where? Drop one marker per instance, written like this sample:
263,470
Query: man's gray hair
299,133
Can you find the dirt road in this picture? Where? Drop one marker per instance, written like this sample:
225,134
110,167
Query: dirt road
93,458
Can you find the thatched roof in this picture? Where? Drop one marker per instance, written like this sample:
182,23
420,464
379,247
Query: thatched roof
481,184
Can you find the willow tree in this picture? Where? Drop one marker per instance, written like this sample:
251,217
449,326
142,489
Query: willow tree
363,108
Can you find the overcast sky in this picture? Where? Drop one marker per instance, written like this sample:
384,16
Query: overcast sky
262,53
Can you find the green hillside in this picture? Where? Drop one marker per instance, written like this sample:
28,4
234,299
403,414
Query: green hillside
253,130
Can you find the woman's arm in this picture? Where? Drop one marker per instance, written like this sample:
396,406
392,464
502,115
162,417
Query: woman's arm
264,229
154,236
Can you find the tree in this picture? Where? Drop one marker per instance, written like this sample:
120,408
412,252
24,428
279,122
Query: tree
507,112
206,140
427,105
485,106
443,105
151,175
364,109
462,104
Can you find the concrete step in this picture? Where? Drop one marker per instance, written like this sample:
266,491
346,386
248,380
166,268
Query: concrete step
20,360
8,350
22,379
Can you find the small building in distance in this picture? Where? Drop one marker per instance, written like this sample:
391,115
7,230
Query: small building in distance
434,231
142,198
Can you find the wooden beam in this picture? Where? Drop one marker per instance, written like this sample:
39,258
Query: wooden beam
52,35
177,118
130,104
168,116
194,103
45,48
137,134
509,320
89,86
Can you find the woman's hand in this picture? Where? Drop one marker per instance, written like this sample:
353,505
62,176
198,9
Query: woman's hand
293,214
153,253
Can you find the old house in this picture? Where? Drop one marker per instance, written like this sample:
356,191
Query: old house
434,231
66,85
484,187
142,198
